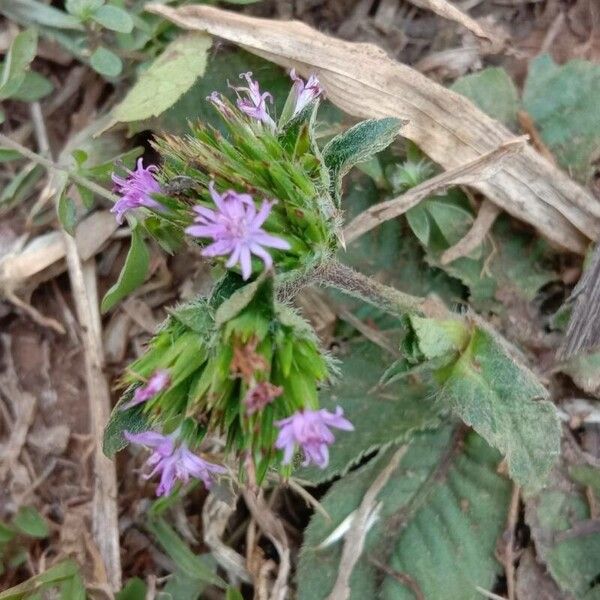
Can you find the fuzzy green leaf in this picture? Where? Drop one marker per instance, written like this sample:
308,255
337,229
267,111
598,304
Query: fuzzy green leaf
563,101
114,18
171,75
441,513
571,555
493,91
133,273
500,399
356,145
132,420
381,415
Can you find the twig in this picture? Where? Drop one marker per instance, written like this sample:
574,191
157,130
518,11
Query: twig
23,406
34,313
488,211
481,168
274,530
403,578
509,564
355,538
52,166
82,275
444,9
215,516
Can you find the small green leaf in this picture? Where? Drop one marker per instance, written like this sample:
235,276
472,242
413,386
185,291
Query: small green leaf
34,87
194,566
29,521
356,145
7,154
7,533
20,54
83,9
133,273
106,62
27,12
114,18
48,579
67,214
135,589
493,91
170,76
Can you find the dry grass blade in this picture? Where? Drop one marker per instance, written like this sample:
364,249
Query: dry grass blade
443,8
355,538
362,80
474,237
467,174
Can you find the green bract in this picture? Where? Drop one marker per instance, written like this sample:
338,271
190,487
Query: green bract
216,351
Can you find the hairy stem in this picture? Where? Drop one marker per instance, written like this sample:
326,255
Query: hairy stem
382,296
52,166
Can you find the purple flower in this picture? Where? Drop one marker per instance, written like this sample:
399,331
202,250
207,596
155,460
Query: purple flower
254,104
305,92
236,230
156,384
174,463
309,429
135,190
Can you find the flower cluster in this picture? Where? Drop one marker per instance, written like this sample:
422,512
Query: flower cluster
174,462
237,364
136,190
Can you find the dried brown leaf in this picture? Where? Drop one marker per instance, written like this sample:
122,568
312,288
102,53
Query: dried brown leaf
366,83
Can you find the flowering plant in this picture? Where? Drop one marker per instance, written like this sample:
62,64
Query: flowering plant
242,364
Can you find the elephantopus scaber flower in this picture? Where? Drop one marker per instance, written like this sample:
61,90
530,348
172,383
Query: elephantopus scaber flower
173,462
255,103
236,230
156,384
309,429
135,190
305,92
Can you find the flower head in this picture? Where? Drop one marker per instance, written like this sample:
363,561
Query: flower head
254,104
156,384
309,429
173,462
235,228
135,190
261,395
305,92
